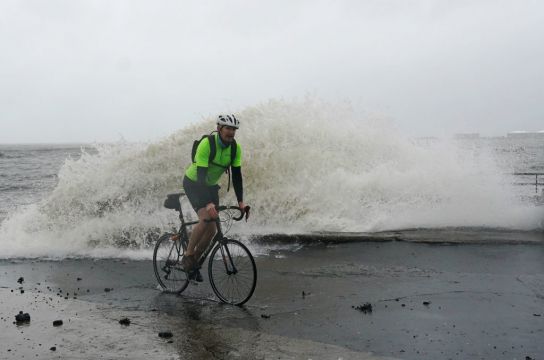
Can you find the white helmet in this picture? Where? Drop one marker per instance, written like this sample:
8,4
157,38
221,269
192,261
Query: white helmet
228,120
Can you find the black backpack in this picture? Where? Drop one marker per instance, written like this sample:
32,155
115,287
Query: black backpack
213,151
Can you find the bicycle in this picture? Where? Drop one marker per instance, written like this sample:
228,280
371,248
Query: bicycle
231,267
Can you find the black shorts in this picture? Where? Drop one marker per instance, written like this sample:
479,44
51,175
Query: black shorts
199,196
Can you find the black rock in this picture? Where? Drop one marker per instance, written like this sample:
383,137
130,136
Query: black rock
79,279
426,303
22,318
365,308
166,334
125,321
528,358
265,316
20,280
57,323
107,289
22,291
53,348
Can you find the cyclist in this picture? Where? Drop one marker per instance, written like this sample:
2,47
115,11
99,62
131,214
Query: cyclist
201,187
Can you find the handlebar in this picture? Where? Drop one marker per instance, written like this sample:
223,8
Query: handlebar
244,211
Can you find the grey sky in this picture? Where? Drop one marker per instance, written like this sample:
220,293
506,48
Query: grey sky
78,71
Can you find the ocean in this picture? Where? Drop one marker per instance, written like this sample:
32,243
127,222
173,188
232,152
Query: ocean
303,174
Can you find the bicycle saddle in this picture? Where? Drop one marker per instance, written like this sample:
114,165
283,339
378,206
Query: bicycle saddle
172,201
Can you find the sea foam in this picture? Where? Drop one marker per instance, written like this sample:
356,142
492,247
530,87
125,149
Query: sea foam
308,166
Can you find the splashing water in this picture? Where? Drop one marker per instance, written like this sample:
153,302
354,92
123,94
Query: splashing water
308,166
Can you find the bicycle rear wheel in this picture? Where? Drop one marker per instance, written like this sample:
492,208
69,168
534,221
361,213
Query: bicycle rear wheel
232,272
167,264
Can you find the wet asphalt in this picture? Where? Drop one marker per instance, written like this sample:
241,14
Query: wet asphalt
427,301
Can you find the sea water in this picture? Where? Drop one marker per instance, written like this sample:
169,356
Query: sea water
308,167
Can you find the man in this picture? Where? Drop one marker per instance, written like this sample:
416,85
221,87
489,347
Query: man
201,187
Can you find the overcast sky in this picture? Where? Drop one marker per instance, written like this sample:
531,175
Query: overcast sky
84,71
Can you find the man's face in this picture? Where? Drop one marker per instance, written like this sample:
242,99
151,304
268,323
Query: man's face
227,133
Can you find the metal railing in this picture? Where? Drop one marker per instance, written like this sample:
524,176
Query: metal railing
535,183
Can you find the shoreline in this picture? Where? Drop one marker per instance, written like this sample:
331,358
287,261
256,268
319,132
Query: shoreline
447,235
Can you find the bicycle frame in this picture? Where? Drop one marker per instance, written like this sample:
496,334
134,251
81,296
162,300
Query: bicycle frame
218,237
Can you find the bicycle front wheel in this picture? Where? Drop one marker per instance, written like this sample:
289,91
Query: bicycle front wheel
232,272
167,264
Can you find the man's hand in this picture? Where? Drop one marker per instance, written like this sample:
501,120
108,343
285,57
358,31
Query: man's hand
243,206
212,211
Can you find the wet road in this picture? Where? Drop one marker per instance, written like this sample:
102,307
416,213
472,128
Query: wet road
429,301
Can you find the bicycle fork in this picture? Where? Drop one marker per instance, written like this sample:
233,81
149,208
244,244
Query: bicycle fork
170,263
227,260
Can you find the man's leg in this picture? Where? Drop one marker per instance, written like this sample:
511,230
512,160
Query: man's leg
206,238
201,235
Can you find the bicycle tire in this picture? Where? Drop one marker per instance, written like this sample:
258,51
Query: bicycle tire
167,265
234,288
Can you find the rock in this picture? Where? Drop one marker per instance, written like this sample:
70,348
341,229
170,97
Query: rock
20,280
426,303
79,279
125,321
22,291
53,348
166,334
528,358
265,316
57,323
365,308
536,315
107,289
22,318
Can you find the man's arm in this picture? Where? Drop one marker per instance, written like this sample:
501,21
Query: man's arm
237,183
202,159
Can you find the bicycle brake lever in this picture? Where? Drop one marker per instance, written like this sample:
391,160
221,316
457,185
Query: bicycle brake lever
246,211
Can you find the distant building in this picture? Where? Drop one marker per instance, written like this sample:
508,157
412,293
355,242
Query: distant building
465,136
526,135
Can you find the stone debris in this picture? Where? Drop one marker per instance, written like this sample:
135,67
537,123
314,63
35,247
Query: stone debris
365,308
265,316
22,318
165,334
107,289
53,348
21,280
57,323
125,321
426,303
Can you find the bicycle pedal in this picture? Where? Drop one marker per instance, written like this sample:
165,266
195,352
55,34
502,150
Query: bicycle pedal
195,275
